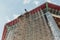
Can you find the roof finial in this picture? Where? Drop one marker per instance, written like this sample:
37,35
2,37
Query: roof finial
26,10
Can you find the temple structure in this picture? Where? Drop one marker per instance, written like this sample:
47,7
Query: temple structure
41,23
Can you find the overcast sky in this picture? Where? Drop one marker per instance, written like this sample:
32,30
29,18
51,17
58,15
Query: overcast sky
11,9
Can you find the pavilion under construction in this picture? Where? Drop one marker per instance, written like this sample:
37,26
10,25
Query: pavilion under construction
41,23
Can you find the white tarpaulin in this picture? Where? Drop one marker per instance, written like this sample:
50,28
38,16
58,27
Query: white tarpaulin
53,26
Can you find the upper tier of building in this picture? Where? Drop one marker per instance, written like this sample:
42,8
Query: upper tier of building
55,9
43,6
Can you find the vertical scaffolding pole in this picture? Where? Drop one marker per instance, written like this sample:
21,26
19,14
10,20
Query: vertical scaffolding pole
46,6
43,18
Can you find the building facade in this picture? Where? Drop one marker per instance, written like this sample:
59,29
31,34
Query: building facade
35,24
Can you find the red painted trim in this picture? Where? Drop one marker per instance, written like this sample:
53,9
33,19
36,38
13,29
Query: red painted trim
4,33
53,6
38,8
13,22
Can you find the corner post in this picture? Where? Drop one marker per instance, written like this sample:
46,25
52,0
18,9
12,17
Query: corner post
46,6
